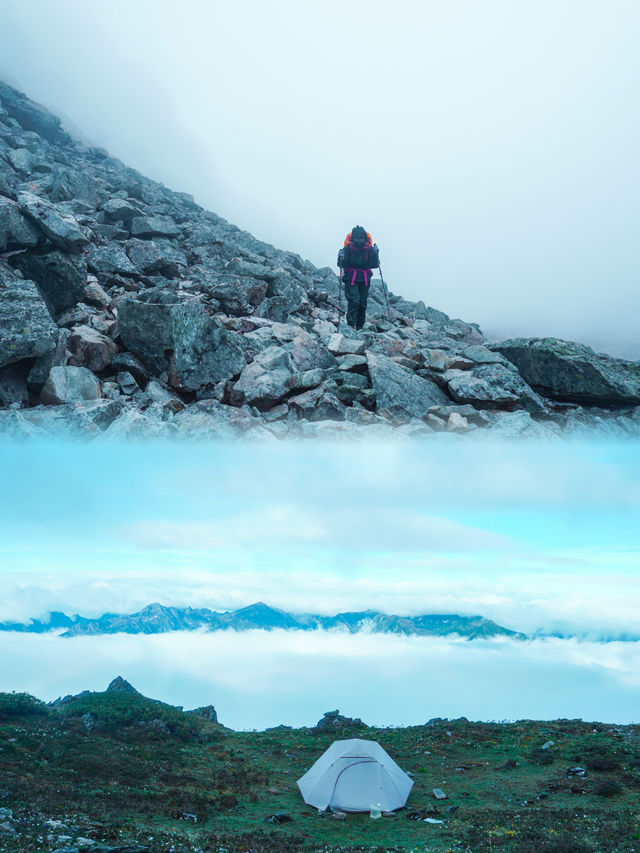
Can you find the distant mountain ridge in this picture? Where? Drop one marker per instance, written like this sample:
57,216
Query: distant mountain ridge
159,619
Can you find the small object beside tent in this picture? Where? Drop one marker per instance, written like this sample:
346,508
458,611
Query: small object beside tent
352,775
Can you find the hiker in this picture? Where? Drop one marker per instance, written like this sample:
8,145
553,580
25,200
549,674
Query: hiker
357,260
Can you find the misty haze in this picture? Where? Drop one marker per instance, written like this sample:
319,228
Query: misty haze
492,154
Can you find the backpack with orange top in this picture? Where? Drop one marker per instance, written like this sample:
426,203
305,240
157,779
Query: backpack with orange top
359,254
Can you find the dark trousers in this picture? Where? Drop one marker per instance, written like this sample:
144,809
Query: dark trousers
357,295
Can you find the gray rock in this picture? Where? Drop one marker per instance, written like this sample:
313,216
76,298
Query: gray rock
493,386
127,383
89,348
85,420
32,116
13,384
207,711
153,226
263,387
572,372
109,259
39,373
307,353
210,419
120,210
96,295
341,345
126,362
70,385
136,424
27,329
61,228
7,828
60,278
22,160
16,232
396,386
5,814
156,257
238,296
176,336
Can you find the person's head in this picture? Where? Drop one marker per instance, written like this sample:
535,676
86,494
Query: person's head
358,235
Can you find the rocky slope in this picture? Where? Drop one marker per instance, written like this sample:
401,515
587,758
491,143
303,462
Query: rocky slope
158,619
126,310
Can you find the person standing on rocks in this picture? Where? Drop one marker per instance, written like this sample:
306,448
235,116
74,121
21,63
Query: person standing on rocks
357,260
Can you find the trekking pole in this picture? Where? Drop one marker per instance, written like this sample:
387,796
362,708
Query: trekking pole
386,294
339,296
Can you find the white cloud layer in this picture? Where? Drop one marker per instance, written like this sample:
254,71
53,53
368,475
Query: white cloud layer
258,679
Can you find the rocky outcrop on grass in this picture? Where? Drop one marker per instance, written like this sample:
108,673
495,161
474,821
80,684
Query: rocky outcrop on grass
129,311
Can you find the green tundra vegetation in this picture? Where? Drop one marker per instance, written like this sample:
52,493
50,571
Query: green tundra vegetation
118,769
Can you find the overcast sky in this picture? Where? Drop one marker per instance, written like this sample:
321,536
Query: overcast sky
403,528
490,147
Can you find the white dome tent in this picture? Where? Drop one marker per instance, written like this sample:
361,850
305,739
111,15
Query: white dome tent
352,775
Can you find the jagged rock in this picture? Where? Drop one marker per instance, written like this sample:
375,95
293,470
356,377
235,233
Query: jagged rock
156,257
127,383
493,386
27,329
153,226
89,348
61,279
136,424
16,232
121,685
56,357
120,210
13,384
7,828
520,424
70,385
61,228
567,371
396,386
210,419
85,420
125,361
32,116
341,345
208,712
96,295
177,337
237,296
263,387
110,259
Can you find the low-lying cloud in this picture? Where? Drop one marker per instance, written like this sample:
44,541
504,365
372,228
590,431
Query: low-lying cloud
258,679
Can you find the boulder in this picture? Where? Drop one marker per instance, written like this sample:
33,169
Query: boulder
27,329
110,259
172,333
120,210
89,348
493,386
396,386
156,257
153,226
61,228
60,278
70,385
341,345
16,232
238,296
262,387
573,372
